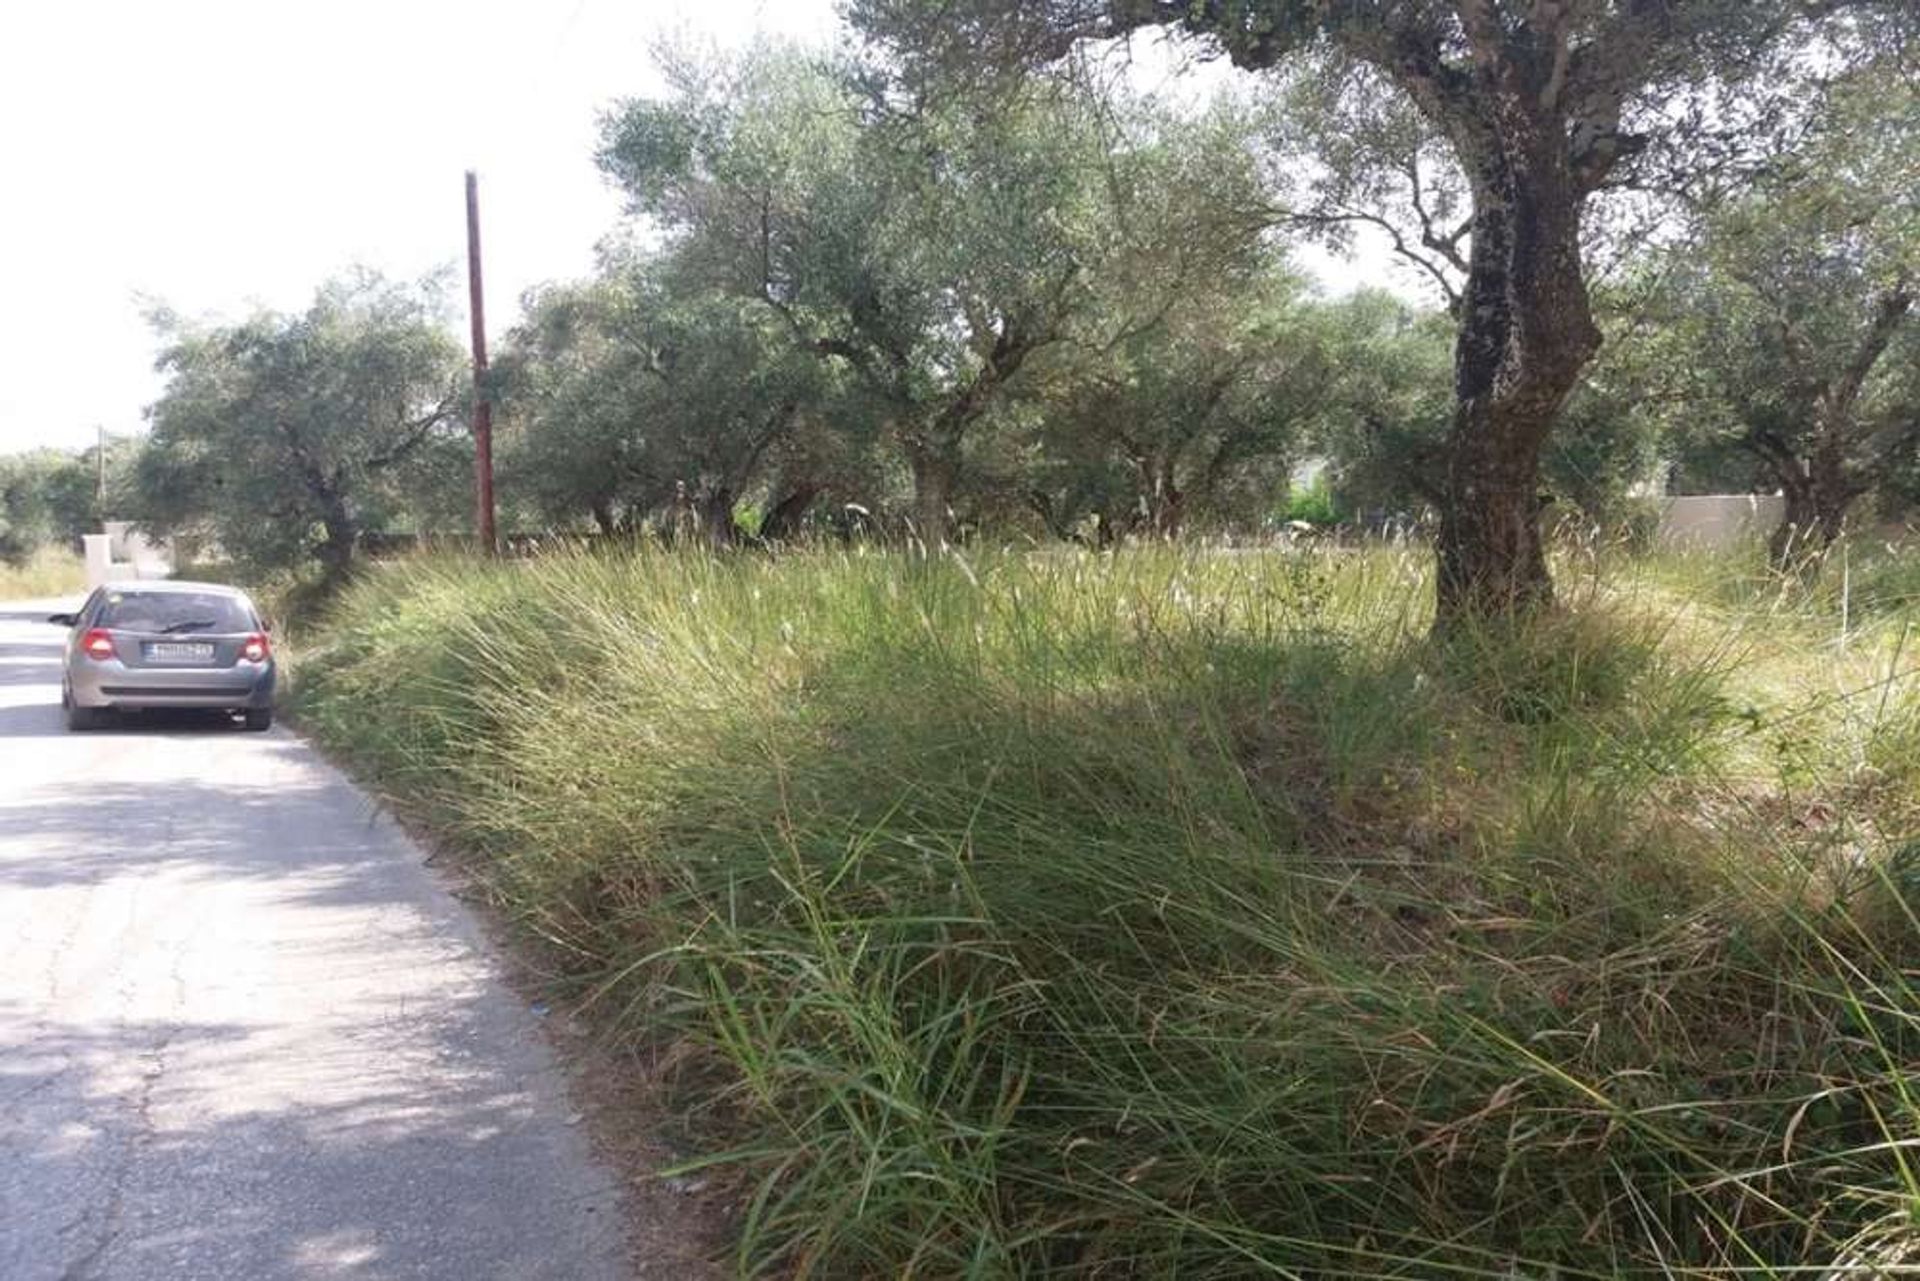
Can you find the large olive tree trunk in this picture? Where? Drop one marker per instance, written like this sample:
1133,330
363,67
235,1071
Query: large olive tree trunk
782,521
716,516
1526,332
1819,491
340,531
934,471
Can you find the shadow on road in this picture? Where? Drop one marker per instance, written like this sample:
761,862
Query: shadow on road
153,1148
27,664
292,836
32,720
241,1035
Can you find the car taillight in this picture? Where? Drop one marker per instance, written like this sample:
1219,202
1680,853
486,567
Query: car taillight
255,649
97,644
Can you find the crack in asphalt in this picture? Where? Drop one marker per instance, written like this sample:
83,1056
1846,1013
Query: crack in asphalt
57,954
153,1069
15,1101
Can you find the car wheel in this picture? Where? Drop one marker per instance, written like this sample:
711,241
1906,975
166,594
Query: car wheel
259,718
84,718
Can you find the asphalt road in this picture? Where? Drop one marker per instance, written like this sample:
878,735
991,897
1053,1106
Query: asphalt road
244,1030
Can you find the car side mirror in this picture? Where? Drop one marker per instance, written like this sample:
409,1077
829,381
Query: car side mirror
62,620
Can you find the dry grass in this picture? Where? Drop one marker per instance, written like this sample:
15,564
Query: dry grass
48,572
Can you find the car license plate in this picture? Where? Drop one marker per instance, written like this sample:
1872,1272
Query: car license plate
180,651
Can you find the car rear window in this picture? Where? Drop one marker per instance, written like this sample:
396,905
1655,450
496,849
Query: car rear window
174,612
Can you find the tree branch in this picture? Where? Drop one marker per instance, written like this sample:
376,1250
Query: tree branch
1889,313
1447,246
415,433
1448,289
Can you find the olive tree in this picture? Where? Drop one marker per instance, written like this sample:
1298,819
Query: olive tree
1542,104
47,496
281,437
1197,418
1788,329
642,396
929,248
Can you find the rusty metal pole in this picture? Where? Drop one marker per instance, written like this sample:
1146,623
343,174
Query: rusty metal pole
482,403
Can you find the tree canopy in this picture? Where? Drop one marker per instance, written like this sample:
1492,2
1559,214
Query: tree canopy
1541,106
968,278
283,437
930,249
1788,333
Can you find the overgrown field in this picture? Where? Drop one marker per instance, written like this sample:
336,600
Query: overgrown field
1191,914
48,572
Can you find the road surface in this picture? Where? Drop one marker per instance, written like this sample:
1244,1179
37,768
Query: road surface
244,1031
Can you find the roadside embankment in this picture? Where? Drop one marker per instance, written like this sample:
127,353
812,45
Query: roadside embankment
1163,914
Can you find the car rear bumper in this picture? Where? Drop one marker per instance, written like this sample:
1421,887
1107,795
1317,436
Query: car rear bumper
114,684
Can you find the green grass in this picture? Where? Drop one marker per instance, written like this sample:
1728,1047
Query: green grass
1185,914
48,572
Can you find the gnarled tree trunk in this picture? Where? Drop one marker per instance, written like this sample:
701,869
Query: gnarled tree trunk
1823,484
602,510
782,520
1819,491
934,471
1526,332
342,536
716,517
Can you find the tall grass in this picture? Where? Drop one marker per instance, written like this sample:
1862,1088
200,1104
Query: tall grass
51,571
1182,913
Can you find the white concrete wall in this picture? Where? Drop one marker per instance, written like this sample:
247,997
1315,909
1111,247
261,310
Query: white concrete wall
123,553
1714,521
99,553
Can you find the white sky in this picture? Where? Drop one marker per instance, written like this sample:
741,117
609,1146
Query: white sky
214,154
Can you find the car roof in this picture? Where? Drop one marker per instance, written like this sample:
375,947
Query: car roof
173,585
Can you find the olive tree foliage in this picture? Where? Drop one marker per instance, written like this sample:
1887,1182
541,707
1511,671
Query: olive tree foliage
1541,104
569,439
49,497
283,437
1383,424
635,399
1788,332
1194,422
930,247
1384,419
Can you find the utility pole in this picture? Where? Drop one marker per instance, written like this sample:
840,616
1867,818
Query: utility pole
482,405
100,457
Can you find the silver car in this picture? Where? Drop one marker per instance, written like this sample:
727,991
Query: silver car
166,645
